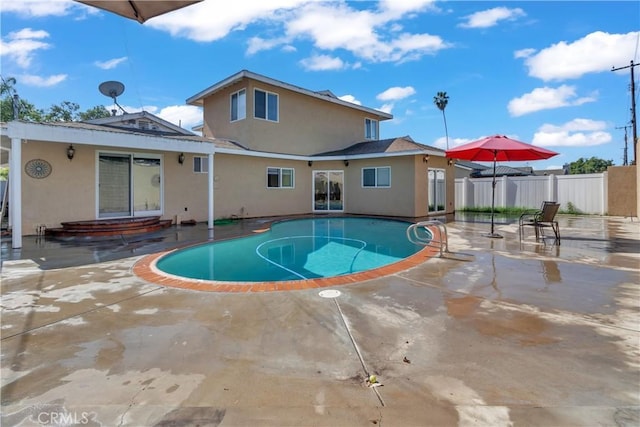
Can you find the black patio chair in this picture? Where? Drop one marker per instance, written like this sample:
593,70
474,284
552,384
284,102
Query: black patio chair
541,219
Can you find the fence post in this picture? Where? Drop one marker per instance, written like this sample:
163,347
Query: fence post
503,191
552,188
604,207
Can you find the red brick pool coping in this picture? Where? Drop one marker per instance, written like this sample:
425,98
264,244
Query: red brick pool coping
146,269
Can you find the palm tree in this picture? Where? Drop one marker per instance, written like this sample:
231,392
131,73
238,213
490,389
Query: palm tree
441,100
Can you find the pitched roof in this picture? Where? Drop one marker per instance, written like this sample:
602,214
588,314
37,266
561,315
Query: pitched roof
131,121
500,171
470,165
391,145
217,142
325,95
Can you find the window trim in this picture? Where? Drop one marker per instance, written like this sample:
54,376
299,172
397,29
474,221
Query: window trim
376,177
203,161
280,170
244,115
266,107
369,126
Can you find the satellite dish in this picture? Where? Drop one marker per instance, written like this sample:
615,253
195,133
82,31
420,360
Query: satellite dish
112,89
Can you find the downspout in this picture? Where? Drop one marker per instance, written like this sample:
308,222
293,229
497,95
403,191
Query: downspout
211,195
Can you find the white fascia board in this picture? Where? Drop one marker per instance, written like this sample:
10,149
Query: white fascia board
70,135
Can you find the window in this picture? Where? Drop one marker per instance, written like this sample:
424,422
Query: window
279,178
238,105
370,129
265,105
376,177
200,164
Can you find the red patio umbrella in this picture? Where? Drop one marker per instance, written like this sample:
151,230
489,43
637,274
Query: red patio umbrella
498,148
140,10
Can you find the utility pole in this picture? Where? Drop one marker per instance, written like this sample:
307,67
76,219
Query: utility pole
633,108
625,162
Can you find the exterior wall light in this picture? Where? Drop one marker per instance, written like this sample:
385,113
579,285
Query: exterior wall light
346,163
425,158
450,162
181,158
71,152
310,163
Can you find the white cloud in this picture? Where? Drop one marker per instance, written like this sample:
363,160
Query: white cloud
21,46
366,34
523,53
396,93
575,133
350,98
186,116
38,8
596,52
194,22
453,142
38,81
386,108
576,125
491,17
110,64
397,8
546,98
322,63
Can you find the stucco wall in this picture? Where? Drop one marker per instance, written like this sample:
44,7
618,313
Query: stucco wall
67,194
622,191
396,200
70,192
240,186
305,126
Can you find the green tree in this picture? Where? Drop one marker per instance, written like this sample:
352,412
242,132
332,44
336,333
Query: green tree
592,165
97,112
441,100
26,110
65,112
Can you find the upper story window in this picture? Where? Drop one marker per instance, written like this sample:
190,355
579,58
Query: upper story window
200,164
238,105
376,177
370,129
265,105
279,178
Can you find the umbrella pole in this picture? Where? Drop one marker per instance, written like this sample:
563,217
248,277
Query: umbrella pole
493,198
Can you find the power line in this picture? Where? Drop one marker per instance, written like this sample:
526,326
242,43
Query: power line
633,108
625,162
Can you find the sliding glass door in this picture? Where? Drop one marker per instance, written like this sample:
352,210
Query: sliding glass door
328,191
437,190
129,185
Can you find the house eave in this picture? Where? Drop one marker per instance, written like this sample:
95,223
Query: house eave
198,98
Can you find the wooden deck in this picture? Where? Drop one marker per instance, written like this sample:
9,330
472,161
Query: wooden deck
108,227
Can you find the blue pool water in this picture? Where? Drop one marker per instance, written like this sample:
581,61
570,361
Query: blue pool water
296,250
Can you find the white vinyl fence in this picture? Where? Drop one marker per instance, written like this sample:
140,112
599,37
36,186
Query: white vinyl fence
587,193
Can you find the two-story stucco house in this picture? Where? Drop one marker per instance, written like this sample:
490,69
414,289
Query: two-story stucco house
267,148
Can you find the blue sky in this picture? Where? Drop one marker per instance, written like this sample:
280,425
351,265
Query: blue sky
538,71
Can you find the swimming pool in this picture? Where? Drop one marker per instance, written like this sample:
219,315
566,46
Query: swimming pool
298,249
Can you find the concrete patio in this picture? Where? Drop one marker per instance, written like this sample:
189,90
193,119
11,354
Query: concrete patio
526,333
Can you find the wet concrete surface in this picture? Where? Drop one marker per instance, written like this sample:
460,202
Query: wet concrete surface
525,333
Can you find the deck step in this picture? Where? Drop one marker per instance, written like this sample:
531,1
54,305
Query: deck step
108,227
